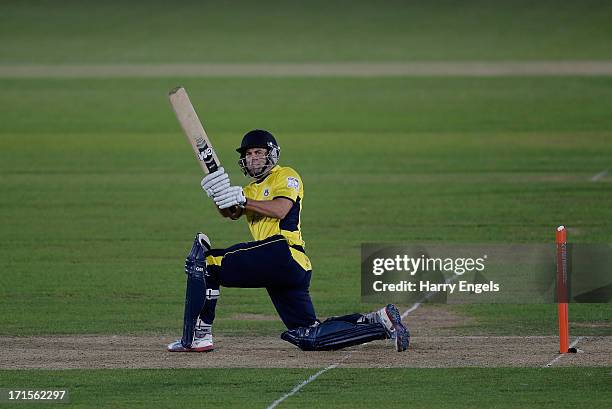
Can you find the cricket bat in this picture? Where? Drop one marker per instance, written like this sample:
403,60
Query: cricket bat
194,131
196,135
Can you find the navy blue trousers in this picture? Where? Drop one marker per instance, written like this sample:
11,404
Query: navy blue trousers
262,264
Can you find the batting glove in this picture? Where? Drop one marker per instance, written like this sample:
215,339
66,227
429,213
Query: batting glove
215,182
232,196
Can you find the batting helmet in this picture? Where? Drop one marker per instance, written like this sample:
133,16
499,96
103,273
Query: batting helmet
258,138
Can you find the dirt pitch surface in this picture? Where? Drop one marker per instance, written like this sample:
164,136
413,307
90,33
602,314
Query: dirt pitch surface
306,69
432,346
89,352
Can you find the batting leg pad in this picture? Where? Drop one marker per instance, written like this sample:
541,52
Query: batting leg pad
195,293
333,334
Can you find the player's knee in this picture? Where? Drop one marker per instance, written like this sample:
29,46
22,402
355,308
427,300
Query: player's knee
204,241
195,262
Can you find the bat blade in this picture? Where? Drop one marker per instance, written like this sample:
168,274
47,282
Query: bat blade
193,129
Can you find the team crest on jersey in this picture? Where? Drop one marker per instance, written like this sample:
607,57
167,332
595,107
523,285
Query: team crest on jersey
266,192
293,183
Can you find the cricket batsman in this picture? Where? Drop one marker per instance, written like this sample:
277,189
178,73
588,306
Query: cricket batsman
276,260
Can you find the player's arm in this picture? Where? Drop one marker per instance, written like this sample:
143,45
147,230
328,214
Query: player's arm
233,213
234,196
276,208
285,193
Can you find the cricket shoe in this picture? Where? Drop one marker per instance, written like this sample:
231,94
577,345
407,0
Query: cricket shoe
202,340
391,319
204,344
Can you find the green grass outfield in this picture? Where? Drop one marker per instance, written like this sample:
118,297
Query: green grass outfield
241,31
100,196
340,388
99,186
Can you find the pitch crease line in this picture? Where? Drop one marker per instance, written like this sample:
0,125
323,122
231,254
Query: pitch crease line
572,345
600,175
426,297
330,367
348,355
304,383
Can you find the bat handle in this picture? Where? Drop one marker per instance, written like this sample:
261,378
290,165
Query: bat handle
212,166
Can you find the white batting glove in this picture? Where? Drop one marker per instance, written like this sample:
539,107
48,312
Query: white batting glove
215,182
232,196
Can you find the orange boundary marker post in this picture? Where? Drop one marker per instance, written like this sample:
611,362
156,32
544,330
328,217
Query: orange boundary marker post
562,290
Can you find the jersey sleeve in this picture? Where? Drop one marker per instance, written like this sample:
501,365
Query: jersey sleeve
288,184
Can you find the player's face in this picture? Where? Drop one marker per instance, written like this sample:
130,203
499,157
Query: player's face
255,159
